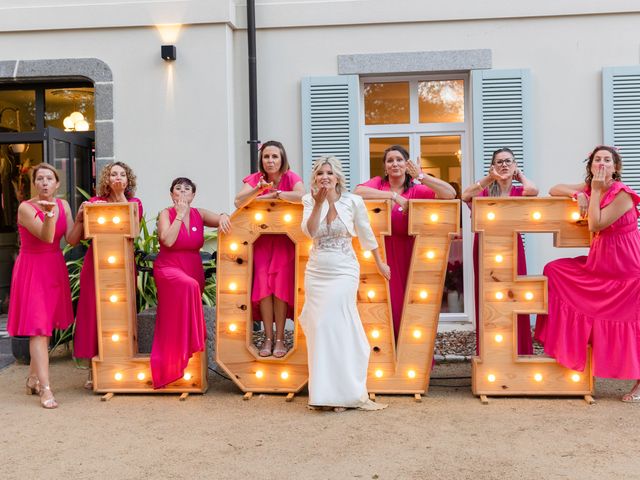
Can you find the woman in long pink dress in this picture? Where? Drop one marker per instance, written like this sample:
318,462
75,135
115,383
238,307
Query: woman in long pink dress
117,184
403,181
596,299
499,183
272,294
180,329
40,293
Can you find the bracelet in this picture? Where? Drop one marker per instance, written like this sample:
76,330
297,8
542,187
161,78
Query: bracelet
394,196
480,185
278,192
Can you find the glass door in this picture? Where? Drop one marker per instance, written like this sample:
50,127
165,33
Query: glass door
441,157
72,155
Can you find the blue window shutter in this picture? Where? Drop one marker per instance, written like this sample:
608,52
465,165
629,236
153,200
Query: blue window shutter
501,116
330,113
621,118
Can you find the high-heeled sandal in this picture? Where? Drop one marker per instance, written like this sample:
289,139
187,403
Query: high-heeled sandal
89,383
33,388
49,403
633,396
267,348
280,352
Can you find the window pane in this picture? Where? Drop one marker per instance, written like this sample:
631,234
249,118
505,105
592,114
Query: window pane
17,110
70,109
441,101
386,103
441,157
377,146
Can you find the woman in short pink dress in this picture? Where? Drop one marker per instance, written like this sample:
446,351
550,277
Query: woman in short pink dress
117,184
403,181
499,183
596,299
40,294
180,329
272,294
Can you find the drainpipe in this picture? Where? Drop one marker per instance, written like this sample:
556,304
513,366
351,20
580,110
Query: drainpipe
253,88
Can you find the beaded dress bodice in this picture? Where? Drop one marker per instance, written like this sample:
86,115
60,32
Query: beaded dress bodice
333,236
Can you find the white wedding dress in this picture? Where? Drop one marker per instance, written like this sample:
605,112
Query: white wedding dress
337,345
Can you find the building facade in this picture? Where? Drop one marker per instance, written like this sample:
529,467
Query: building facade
450,81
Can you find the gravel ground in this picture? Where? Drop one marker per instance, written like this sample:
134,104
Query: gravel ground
454,346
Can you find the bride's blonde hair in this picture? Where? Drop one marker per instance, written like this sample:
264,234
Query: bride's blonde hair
336,168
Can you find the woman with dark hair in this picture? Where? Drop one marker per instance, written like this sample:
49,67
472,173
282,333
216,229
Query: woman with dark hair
272,294
40,294
117,184
403,181
180,329
499,183
596,299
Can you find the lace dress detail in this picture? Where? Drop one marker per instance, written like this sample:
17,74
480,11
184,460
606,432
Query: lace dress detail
334,237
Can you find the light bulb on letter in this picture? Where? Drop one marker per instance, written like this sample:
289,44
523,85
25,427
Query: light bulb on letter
537,377
284,375
379,373
258,217
187,376
118,376
499,258
499,295
499,338
431,254
536,215
371,294
233,247
528,295
375,333
423,294
491,216
491,377
111,259
434,217
259,374
411,374
233,327
116,220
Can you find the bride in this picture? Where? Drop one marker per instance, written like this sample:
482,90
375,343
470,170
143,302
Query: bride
337,345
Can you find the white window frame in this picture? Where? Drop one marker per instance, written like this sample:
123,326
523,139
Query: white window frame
414,130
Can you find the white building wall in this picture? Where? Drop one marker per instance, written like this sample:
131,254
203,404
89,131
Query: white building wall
191,117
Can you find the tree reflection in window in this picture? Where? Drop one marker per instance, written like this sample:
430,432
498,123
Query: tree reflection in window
386,103
441,101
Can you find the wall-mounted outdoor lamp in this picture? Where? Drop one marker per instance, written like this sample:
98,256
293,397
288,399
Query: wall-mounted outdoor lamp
168,52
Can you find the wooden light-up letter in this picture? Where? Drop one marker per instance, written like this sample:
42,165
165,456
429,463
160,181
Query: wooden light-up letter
119,367
503,294
235,350
404,370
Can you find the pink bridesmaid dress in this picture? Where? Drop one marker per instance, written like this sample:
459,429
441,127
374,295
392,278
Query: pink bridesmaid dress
180,328
273,258
596,300
85,339
525,342
399,246
40,294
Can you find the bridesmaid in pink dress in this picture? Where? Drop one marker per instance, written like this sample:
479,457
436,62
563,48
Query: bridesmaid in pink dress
402,182
180,329
272,292
40,294
596,299
498,183
117,184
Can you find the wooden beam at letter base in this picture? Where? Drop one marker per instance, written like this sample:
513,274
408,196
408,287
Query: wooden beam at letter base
119,368
402,371
499,371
